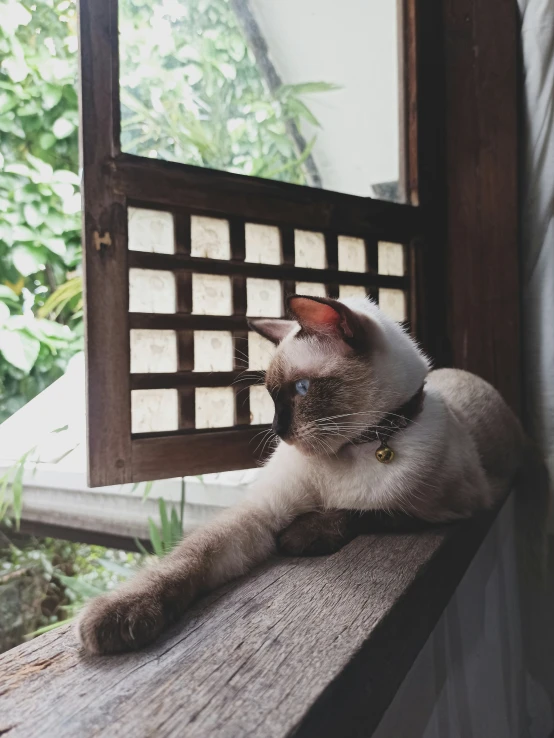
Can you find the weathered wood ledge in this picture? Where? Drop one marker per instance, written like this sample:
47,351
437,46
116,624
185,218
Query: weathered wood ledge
302,647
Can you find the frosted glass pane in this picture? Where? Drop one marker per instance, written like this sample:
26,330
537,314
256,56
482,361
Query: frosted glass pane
263,244
153,351
351,290
211,295
264,298
151,291
309,250
209,237
391,259
393,303
215,407
352,255
312,289
151,230
262,408
213,351
260,351
153,411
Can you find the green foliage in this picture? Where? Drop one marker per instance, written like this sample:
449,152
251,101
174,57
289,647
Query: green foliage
167,535
12,482
39,193
191,91
33,353
78,572
74,572
68,296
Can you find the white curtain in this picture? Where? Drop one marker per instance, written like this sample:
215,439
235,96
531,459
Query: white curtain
537,192
470,679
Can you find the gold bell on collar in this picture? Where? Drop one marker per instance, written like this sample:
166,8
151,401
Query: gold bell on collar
384,454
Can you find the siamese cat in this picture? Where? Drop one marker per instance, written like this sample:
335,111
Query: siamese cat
363,426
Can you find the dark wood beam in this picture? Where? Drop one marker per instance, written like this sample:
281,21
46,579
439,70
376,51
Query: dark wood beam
482,274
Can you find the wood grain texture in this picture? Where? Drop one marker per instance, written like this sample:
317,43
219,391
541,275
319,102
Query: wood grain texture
195,379
105,251
407,99
40,529
302,647
426,176
481,157
170,262
112,182
223,194
165,456
240,304
180,321
459,68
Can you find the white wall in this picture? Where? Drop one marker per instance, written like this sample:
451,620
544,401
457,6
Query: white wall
353,44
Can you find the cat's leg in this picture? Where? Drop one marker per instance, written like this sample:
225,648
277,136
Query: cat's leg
323,532
242,537
318,533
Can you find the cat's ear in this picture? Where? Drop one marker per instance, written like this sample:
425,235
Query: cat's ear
274,329
326,316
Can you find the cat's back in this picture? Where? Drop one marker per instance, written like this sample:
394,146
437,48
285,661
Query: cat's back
494,427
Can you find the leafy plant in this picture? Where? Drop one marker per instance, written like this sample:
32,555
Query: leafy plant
170,532
167,535
191,91
89,573
39,193
33,353
73,572
77,572
12,480
68,296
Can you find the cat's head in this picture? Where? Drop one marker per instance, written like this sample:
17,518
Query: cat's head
339,367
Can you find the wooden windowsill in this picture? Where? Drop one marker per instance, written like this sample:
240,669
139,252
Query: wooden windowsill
300,647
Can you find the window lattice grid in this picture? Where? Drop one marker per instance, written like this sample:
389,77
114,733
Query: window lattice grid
225,270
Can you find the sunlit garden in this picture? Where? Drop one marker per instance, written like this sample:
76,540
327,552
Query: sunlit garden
191,91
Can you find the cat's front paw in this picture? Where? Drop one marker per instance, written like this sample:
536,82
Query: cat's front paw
122,621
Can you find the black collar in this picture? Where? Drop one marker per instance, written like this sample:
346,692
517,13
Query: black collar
393,422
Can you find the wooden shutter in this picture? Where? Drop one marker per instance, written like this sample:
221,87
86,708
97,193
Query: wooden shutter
145,424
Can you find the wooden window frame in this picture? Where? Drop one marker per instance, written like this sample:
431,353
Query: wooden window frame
432,143
413,576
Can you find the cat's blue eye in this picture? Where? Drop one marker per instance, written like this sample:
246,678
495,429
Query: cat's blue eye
302,386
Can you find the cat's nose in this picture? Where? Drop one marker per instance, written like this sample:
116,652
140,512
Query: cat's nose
281,422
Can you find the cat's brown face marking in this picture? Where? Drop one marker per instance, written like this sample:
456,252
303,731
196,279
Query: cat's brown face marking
333,351
320,395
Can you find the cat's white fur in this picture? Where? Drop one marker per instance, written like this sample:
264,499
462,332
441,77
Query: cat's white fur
436,450
457,457
399,371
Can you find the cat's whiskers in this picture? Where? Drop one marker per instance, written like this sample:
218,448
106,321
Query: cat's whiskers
271,438
327,449
259,433
242,353
379,413
346,415
359,429
307,437
267,437
266,350
243,377
339,435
